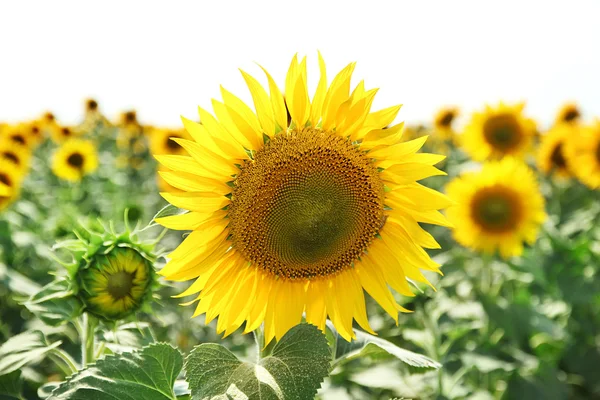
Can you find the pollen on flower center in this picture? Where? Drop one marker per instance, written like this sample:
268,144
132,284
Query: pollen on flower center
496,209
307,205
502,132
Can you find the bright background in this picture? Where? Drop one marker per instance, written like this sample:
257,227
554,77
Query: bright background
164,58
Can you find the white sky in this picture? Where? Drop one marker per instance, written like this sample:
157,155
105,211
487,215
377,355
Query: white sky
164,58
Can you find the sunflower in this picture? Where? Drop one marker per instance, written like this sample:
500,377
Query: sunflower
61,134
498,208
115,284
551,152
568,113
498,132
17,135
442,122
10,182
161,141
15,154
583,155
35,132
74,159
299,216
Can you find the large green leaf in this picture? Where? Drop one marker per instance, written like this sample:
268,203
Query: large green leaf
149,374
366,345
22,349
293,371
10,386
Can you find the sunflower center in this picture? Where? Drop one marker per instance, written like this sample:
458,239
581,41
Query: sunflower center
5,179
92,105
9,155
571,115
119,284
75,160
496,209
447,119
173,145
18,138
66,131
307,205
557,157
502,132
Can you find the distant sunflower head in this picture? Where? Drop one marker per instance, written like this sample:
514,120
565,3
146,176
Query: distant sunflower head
61,134
583,155
497,132
164,141
498,208
301,213
10,182
75,159
568,113
35,131
17,135
551,156
91,106
17,155
443,121
129,117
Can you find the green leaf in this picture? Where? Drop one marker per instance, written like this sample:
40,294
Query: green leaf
55,304
10,386
168,211
367,345
293,371
149,374
23,349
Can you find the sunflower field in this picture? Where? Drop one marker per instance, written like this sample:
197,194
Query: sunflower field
304,245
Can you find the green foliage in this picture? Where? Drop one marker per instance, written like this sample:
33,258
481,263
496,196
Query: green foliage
148,374
10,386
25,348
294,371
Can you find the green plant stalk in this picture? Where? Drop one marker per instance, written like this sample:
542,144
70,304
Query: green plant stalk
65,360
87,340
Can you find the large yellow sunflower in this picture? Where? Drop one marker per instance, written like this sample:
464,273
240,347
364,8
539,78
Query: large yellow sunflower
10,183
74,159
583,155
498,208
300,217
551,152
498,131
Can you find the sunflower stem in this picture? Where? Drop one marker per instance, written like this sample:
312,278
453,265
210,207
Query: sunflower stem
259,338
88,339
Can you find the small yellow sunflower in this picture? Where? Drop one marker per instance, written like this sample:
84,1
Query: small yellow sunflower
161,141
10,183
498,132
300,216
115,284
91,106
74,159
442,123
498,208
551,152
17,135
35,132
583,155
568,113
60,134
15,154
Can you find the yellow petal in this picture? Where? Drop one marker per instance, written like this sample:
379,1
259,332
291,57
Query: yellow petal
279,110
264,110
317,103
204,202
